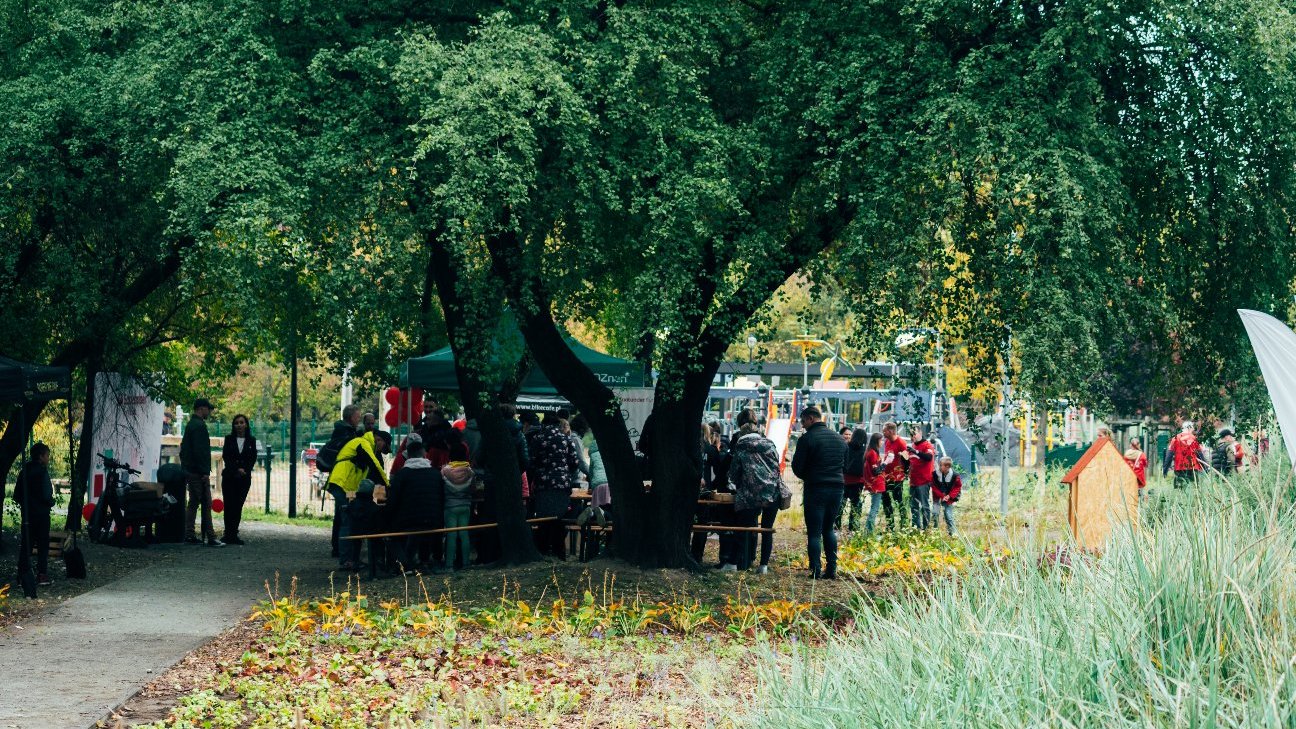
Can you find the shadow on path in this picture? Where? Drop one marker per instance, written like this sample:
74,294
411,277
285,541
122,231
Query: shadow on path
71,666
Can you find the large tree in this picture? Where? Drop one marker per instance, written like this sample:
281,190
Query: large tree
977,168
139,141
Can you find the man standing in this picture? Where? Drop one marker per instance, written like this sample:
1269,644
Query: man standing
195,459
34,493
922,462
894,465
1184,455
368,423
346,428
360,460
1224,459
819,459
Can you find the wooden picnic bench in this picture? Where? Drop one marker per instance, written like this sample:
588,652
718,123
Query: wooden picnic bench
371,539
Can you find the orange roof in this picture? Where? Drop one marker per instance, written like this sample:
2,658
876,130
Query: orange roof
1089,455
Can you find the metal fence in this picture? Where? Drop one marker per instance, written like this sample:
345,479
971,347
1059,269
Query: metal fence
271,489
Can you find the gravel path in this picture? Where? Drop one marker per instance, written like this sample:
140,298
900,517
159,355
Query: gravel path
70,666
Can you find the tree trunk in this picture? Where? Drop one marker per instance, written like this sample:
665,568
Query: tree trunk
504,481
677,475
583,388
79,475
517,546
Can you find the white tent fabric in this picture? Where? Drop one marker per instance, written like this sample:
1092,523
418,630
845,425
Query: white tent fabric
1275,347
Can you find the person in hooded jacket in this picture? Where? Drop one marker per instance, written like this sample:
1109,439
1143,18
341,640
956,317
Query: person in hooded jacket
553,461
754,475
346,428
1185,455
359,461
459,479
415,502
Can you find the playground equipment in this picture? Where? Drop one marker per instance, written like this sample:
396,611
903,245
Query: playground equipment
868,408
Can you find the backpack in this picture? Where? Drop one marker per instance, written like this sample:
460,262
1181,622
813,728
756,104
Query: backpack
1222,458
326,459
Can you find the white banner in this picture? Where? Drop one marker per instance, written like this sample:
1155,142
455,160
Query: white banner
127,427
1275,348
636,406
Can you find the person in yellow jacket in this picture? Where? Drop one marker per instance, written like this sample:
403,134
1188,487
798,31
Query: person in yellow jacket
359,460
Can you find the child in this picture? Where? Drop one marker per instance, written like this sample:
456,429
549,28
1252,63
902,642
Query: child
459,479
946,487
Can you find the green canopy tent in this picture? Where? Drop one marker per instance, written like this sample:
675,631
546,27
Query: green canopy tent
436,371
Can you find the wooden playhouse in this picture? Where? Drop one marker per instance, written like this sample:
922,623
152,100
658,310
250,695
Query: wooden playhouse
1103,496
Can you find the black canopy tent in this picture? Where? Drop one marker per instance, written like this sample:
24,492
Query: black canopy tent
23,384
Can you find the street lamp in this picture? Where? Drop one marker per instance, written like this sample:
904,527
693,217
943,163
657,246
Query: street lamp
751,348
806,343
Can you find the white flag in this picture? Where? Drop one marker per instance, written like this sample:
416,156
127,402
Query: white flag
1275,347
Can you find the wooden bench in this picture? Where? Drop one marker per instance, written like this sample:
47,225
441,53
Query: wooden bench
374,538
746,531
599,532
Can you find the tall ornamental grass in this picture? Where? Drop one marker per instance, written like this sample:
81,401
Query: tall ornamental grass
1189,622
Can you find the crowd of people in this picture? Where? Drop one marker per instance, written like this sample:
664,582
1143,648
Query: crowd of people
1188,457
436,482
836,470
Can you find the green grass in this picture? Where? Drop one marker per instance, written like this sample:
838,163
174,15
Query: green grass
275,517
1190,621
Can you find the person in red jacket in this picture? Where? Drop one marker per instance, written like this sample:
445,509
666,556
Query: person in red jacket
875,482
1185,456
922,464
1137,461
946,488
896,465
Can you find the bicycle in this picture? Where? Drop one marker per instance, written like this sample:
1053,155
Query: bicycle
108,519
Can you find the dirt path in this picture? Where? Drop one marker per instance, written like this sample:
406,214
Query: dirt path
70,666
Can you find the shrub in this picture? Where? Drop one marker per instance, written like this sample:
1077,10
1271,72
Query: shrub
1190,621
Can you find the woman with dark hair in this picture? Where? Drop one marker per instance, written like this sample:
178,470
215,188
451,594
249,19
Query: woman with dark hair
853,473
239,456
875,482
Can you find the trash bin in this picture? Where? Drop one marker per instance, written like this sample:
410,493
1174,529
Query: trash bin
171,526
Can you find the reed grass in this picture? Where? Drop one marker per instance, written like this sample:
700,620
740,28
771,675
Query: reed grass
1189,621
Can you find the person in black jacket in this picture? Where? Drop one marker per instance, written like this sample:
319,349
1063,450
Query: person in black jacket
819,460
416,502
34,493
239,456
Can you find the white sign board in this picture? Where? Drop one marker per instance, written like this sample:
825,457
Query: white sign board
636,406
127,427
